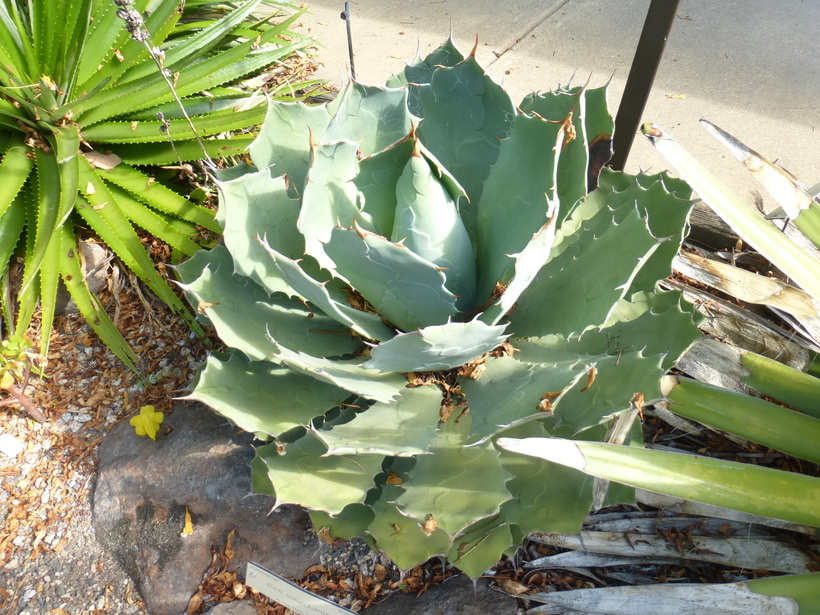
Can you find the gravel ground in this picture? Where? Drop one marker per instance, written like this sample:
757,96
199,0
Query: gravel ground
50,561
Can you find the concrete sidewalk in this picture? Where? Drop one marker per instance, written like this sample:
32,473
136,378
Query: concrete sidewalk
752,67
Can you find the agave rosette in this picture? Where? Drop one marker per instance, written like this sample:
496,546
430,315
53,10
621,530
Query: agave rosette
412,271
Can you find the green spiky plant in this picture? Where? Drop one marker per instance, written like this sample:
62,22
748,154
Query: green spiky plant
413,271
80,94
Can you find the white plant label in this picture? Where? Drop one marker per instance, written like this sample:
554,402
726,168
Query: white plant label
297,599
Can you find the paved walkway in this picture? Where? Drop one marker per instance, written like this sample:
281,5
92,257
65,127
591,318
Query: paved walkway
750,66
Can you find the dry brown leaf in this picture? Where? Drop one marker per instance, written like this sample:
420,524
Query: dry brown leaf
102,161
512,587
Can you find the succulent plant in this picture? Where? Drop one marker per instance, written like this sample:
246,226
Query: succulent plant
412,271
83,106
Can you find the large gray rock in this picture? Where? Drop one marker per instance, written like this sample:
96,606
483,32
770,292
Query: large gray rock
199,462
456,596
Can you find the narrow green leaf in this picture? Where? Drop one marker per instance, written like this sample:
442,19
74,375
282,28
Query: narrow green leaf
158,196
739,486
801,587
15,168
148,131
752,418
163,153
88,304
12,223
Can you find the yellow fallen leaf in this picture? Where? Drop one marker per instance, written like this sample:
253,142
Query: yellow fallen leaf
679,96
147,422
189,525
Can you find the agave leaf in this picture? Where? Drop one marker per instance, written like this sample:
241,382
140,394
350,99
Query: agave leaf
749,488
376,182
462,105
427,222
404,288
456,485
509,392
253,206
330,198
351,522
565,297
544,494
421,71
324,296
746,416
476,549
335,481
376,125
799,265
349,374
568,109
284,140
658,323
518,197
436,348
527,265
403,427
244,314
260,396
402,537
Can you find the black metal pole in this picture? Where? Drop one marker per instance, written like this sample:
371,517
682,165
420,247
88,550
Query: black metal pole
346,17
656,29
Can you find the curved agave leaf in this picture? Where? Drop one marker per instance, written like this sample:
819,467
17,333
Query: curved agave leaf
330,198
518,197
403,427
262,397
436,348
336,481
475,550
382,122
404,288
462,105
426,221
324,296
401,536
455,485
349,374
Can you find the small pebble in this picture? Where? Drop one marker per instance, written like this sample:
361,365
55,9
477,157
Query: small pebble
10,446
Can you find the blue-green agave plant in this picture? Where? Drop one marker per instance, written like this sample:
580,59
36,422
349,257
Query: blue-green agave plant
413,271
